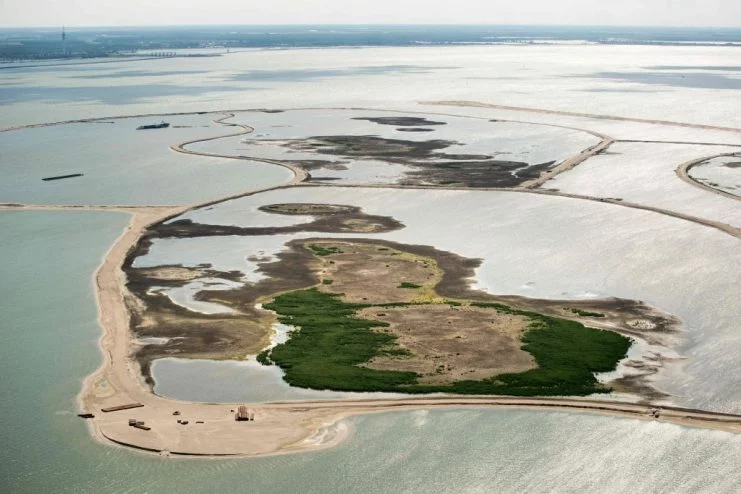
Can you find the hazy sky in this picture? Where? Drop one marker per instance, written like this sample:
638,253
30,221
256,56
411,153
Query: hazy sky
168,12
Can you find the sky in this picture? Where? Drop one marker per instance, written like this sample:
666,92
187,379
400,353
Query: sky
19,13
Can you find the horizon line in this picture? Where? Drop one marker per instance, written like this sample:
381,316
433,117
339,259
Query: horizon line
352,24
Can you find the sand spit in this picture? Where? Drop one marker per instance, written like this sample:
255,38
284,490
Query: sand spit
173,427
68,208
570,163
300,175
192,429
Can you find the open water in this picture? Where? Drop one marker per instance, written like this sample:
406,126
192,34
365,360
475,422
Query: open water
49,332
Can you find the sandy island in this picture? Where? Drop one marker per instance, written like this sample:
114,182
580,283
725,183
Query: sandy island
278,427
115,394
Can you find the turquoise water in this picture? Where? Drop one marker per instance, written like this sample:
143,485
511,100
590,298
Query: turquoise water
49,339
49,336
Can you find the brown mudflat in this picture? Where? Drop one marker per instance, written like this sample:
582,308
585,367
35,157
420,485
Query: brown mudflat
443,343
329,218
428,162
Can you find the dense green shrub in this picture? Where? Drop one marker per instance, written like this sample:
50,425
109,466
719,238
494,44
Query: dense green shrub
326,351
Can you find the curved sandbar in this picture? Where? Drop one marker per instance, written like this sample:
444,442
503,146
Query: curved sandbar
723,227
530,187
280,428
683,172
478,104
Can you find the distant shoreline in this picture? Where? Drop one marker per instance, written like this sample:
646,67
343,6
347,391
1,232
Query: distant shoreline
45,43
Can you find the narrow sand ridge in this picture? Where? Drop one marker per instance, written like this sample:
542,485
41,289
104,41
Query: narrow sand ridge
531,186
570,163
683,172
68,208
299,174
723,227
477,104
278,427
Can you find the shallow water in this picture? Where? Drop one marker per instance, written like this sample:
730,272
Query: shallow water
49,315
554,77
228,381
645,174
519,235
183,295
506,141
121,165
223,253
722,173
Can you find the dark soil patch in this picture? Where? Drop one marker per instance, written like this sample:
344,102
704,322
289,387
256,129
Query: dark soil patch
350,220
429,164
303,209
401,121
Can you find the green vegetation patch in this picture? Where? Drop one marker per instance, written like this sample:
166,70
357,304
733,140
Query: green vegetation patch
406,284
331,344
264,358
308,209
327,281
324,251
585,313
325,352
